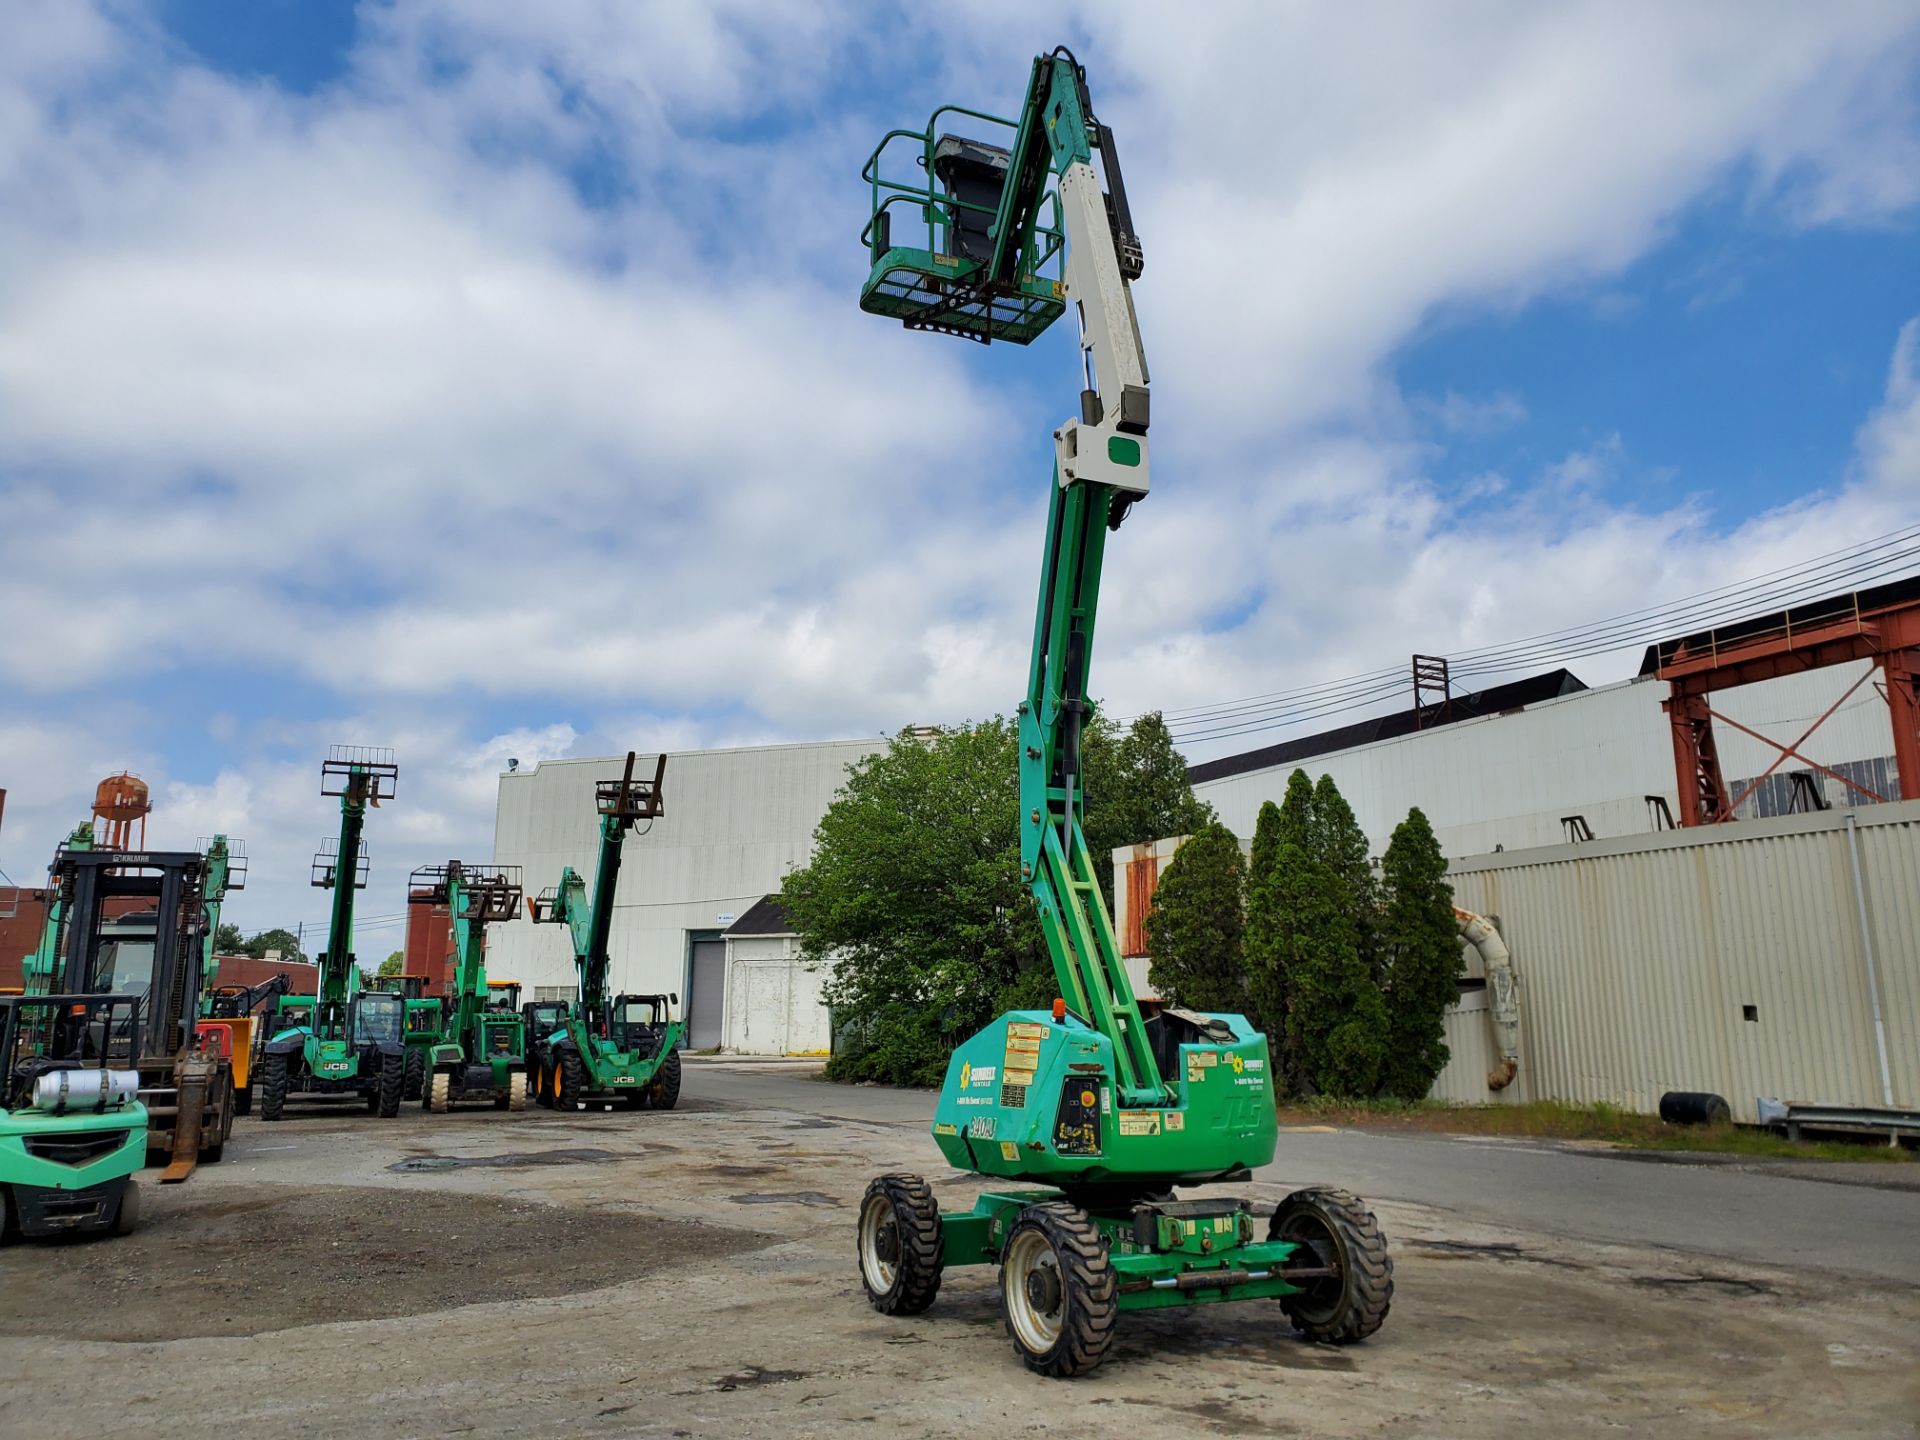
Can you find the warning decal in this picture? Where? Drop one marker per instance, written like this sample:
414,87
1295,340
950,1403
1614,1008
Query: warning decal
1139,1122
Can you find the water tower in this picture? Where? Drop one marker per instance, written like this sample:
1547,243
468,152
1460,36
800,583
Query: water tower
119,803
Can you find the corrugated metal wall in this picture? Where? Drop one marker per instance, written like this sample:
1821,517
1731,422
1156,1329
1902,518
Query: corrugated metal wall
1728,959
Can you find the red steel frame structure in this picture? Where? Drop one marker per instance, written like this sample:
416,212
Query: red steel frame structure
1881,624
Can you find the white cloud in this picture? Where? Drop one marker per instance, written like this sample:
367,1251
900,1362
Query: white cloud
357,390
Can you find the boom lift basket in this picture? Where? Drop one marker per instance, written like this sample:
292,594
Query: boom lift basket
936,278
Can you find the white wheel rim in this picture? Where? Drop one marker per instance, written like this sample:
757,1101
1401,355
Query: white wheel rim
874,1216
1037,1331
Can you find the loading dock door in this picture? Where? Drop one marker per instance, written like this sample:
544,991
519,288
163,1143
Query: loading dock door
707,994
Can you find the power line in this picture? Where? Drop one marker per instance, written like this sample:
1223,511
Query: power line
1871,560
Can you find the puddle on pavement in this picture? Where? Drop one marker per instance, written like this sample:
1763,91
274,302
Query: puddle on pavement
756,1375
518,1161
787,1197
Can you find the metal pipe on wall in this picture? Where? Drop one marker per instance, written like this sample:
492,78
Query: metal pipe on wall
1479,932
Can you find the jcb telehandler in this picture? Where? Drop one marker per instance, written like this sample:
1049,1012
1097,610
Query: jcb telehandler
343,1040
608,1049
1094,1112
483,1053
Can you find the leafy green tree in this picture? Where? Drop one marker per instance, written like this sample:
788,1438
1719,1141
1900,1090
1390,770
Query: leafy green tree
1420,945
227,940
1197,924
913,901
282,940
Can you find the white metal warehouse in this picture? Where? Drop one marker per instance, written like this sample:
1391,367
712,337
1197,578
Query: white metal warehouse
736,822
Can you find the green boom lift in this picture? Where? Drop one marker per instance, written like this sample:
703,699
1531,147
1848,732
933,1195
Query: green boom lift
342,1040
483,1054
1107,1103
624,1047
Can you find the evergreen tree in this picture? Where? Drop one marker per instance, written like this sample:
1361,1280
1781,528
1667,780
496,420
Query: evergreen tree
1265,943
1197,924
1421,953
1342,845
1310,895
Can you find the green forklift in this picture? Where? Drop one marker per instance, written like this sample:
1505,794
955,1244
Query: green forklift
1092,1114
343,1041
607,1050
73,1133
134,923
482,1054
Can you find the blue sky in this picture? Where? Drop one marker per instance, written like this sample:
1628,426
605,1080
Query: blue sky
486,379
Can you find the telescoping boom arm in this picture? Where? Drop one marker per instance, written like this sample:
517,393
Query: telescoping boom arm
1100,470
360,777
622,804
226,870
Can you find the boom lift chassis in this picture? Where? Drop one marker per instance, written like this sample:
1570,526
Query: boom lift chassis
1106,1102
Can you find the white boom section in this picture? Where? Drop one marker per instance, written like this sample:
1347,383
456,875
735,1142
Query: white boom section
1109,342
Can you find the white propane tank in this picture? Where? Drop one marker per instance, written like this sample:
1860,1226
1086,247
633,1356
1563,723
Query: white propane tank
65,1090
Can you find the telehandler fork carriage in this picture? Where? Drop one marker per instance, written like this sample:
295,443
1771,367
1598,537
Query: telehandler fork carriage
1095,1112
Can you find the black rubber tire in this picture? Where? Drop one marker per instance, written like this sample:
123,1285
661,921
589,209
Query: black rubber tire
126,1219
663,1093
536,1079
393,1081
1090,1302
1337,1230
1694,1107
273,1086
416,1073
573,1080
915,1217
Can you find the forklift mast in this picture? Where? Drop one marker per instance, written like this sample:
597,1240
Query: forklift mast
989,229
115,955
360,776
622,804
